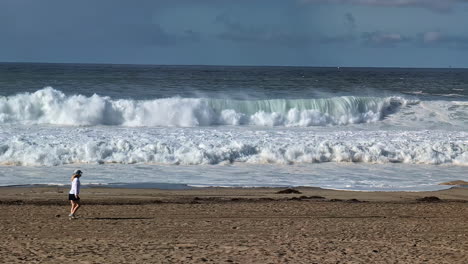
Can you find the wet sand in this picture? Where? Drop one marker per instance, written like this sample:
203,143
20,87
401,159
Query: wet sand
240,225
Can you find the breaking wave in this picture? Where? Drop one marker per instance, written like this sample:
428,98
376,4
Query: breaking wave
50,106
51,146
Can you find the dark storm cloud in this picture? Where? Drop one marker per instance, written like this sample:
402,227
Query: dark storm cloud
248,31
436,5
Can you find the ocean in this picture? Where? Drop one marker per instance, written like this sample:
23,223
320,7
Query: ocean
369,129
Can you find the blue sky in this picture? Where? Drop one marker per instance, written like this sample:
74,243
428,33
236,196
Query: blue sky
379,33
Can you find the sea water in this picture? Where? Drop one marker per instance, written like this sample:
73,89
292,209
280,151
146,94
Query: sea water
341,128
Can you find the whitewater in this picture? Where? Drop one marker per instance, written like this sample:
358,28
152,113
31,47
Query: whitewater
344,140
50,106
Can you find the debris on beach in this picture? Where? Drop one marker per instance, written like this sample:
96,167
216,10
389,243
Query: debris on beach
312,197
289,191
429,199
353,201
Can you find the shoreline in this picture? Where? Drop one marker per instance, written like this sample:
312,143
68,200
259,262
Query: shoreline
142,185
181,186
42,194
358,177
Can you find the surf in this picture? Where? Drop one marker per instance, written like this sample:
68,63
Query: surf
51,106
54,146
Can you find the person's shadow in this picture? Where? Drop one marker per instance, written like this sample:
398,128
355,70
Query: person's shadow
119,218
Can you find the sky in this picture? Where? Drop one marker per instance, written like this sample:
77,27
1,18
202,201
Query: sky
359,33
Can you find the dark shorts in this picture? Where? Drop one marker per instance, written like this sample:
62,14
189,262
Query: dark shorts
72,197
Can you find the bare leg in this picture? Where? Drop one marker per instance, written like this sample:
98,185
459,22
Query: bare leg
76,206
72,206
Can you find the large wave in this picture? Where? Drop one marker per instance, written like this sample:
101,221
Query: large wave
50,106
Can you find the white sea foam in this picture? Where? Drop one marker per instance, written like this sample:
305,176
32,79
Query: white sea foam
52,146
50,106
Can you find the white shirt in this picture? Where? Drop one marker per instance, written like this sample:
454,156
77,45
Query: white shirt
75,186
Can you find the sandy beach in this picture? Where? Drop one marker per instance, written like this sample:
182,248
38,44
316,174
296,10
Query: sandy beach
229,225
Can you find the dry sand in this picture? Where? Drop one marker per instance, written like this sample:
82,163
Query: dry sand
217,225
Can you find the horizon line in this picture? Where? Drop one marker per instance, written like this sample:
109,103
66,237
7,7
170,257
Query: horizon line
221,65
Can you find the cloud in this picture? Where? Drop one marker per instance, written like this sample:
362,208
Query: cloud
156,35
442,40
435,5
383,39
74,24
237,32
90,31
274,36
429,39
351,21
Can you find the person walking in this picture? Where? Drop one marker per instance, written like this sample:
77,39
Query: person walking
74,194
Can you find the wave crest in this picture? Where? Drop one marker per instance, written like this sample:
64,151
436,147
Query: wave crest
50,106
